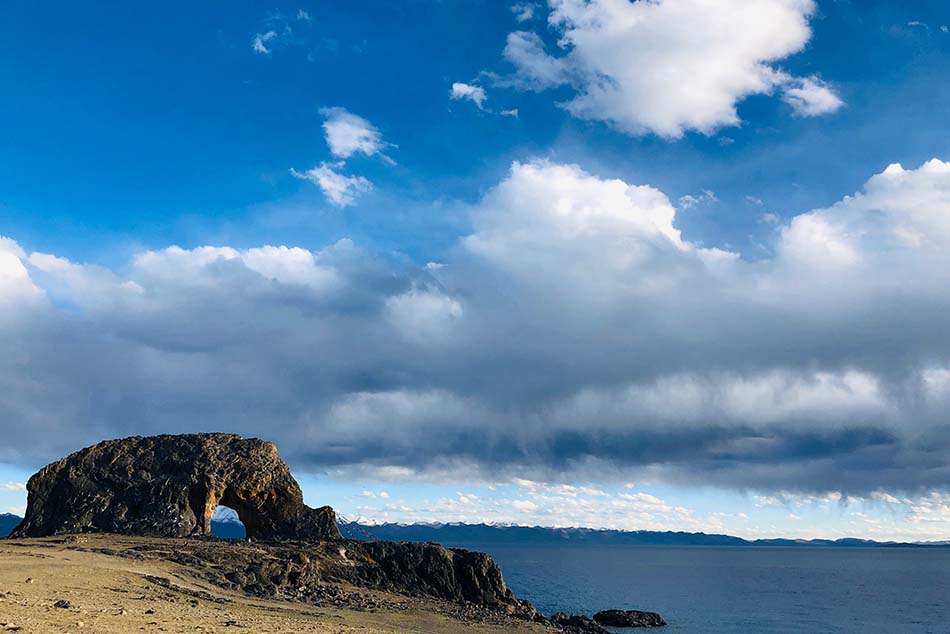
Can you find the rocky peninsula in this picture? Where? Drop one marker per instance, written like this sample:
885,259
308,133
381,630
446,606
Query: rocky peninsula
150,500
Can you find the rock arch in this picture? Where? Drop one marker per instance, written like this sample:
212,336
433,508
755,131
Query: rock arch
169,485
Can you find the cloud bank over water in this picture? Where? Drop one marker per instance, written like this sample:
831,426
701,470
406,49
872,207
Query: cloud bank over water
574,331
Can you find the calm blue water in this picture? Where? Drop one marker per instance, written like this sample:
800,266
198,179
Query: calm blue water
708,590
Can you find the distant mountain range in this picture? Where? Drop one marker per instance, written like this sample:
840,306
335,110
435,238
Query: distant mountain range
483,534
228,526
8,522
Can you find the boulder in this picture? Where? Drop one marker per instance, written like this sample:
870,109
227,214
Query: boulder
629,618
169,486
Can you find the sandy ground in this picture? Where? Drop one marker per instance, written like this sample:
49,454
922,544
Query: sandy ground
102,593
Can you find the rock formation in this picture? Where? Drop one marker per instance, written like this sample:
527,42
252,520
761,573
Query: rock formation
430,570
169,486
629,618
576,624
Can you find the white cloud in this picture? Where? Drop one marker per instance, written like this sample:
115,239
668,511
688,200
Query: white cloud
423,314
573,331
693,200
536,69
669,66
348,134
524,11
282,31
475,94
16,286
340,189
258,44
12,486
901,213
810,97
550,505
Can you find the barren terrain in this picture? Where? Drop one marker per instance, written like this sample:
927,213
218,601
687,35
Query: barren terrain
117,584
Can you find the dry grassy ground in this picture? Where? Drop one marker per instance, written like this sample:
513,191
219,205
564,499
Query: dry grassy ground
104,593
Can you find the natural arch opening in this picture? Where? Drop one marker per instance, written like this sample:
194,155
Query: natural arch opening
226,523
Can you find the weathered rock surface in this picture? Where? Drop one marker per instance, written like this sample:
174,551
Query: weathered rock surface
429,570
629,618
577,624
332,572
169,486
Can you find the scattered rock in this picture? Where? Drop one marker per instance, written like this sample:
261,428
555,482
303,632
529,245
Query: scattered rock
629,618
29,580
63,603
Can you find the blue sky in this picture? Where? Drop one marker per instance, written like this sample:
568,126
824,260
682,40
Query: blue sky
547,343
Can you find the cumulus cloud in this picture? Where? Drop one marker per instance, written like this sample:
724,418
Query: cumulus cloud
475,94
373,495
810,97
524,11
573,331
348,134
340,189
536,69
669,66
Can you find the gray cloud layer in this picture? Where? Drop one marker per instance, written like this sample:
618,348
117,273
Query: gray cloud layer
573,333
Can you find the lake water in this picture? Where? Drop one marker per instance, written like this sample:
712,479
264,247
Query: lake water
702,590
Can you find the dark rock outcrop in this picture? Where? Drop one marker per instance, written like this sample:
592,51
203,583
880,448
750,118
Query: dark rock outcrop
577,624
429,570
169,486
629,618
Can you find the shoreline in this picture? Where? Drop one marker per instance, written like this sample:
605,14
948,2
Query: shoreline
115,584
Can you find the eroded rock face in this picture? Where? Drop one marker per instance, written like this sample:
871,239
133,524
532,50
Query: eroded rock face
309,570
169,486
429,570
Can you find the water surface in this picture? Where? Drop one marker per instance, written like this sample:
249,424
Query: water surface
740,590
